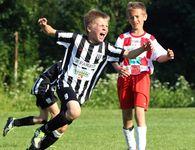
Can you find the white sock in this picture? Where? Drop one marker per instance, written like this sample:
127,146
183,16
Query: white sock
141,138
57,134
130,138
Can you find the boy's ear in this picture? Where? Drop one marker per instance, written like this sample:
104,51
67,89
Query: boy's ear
145,17
88,29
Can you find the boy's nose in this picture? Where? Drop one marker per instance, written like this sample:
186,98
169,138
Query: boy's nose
134,18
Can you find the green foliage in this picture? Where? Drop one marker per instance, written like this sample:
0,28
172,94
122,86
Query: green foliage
22,16
162,94
180,95
174,29
23,89
105,93
17,16
4,63
18,95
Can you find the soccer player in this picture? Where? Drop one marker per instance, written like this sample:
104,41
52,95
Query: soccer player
43,89
134,75
85,59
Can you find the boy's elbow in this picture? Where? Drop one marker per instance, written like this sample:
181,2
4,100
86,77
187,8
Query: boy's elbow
162,59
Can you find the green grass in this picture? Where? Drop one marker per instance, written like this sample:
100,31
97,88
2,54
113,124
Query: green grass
168,129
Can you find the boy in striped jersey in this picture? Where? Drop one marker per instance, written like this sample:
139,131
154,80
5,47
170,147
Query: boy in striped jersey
85,59
134,75
45,99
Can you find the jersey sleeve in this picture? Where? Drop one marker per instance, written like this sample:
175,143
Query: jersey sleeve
158,50
64,38
115,54
119,42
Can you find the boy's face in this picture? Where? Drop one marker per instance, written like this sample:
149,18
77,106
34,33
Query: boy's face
136,18
97,30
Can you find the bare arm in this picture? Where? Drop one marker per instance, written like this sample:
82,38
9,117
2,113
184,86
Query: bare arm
134,53
47,29
164,58
122,71
131,54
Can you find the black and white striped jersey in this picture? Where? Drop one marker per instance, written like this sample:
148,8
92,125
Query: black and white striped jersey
84,62
47,79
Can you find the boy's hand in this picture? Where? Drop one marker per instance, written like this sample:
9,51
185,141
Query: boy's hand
147,46
47,29
170,54
123,72
42,22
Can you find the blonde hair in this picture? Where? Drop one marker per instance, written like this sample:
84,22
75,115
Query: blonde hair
93,14
135,5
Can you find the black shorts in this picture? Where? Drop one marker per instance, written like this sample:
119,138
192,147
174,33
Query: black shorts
66,94
45,100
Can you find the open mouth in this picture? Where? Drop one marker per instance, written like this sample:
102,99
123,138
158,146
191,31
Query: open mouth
102,34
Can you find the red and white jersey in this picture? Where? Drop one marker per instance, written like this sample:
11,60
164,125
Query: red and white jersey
143,62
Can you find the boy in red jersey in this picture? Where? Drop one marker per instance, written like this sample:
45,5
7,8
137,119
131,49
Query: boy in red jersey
134,75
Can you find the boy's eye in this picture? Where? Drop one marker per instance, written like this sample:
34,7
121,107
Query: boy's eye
103,26
133,17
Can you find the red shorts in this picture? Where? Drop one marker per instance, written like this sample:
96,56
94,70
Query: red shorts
134,91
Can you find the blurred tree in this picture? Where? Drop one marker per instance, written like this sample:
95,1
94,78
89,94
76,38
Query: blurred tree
172,23
17,15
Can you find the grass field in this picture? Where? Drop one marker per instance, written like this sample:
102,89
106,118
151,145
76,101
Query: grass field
168,129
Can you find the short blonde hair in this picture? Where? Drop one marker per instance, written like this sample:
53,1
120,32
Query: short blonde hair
93,14
135,5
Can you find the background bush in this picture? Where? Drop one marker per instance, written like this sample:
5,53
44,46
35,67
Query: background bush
104,95
18,97
162,95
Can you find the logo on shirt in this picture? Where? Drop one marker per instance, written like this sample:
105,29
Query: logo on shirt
48,100
136,61
85,64
66,96
81,73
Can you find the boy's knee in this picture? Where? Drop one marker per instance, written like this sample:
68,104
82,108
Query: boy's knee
73,114
73,110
